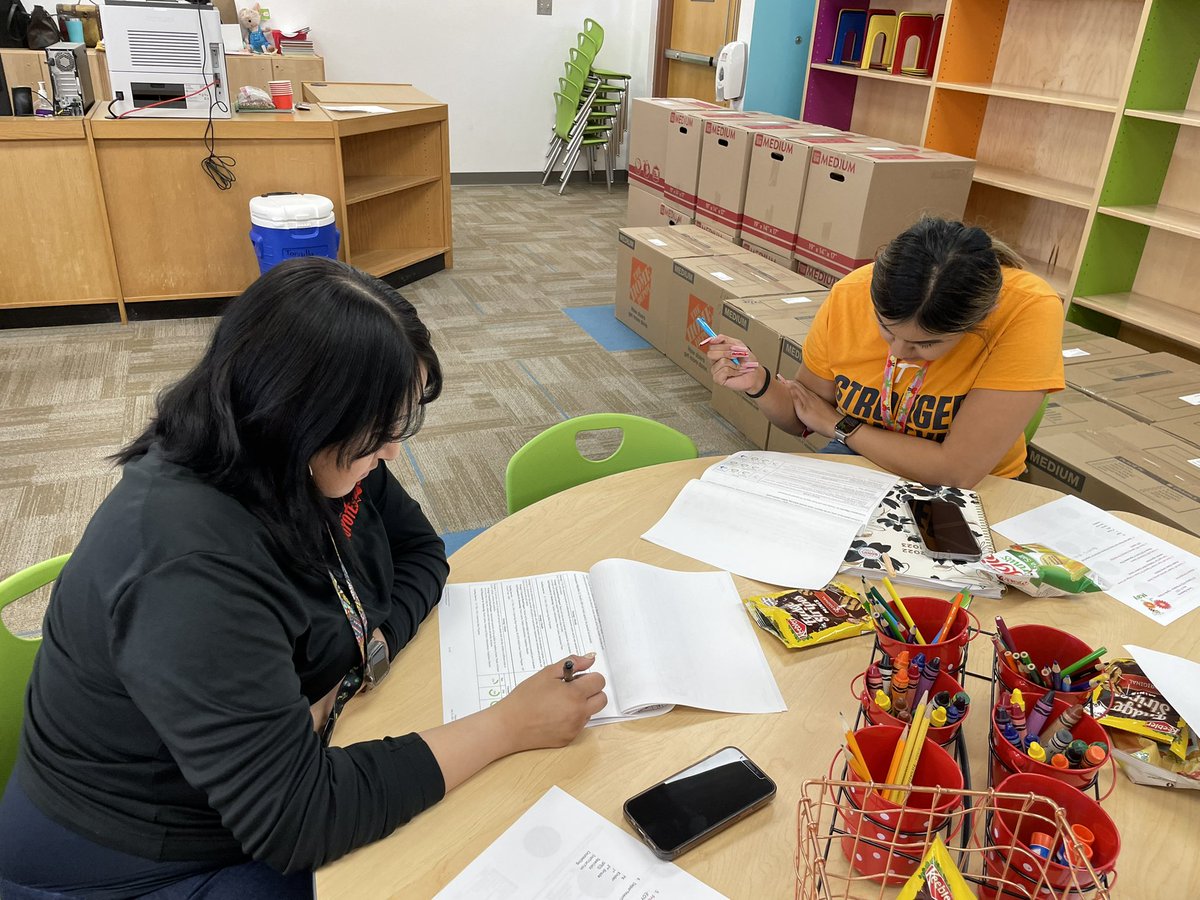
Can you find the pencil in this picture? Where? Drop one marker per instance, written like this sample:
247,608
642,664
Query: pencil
915,756
857,768
895,763
937,639
917,718
900,607
853,745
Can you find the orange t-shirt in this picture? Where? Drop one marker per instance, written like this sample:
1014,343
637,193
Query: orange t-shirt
1018,347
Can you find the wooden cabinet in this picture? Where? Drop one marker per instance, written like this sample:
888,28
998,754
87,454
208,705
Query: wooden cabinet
258,68
25,68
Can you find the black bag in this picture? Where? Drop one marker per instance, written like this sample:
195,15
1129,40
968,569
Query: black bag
43,30
14,24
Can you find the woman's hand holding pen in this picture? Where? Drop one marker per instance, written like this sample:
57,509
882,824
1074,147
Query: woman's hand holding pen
547,710
746,375
814,412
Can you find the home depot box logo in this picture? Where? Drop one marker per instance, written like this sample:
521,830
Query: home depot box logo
697,309
640,276
833,161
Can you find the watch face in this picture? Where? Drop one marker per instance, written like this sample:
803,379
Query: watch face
848,424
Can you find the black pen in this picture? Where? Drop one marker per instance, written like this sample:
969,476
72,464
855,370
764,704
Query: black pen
569,670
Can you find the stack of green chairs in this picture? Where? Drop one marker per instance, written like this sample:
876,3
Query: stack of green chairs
590,111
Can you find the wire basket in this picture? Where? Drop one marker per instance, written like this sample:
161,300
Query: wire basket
832,831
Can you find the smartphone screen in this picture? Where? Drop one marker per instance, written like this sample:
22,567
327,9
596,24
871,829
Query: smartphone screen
699,800
944,529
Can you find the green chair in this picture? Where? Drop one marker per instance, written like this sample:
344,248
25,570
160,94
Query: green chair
551,462
1036,421
574,133
16,658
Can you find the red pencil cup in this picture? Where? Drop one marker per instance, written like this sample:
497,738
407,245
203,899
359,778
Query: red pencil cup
1045,646
1016,820
930,613
1007,760
883,830
876,716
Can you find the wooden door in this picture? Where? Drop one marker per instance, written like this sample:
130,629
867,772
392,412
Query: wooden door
701,27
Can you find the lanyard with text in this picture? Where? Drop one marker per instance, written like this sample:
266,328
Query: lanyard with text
355,613
897,421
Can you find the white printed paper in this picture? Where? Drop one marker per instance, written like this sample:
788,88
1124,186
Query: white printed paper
1175,678
773,517
369,108
1075,351
648,626
561,848
1193,399
1146,573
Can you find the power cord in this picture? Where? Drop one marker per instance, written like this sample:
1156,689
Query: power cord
218,168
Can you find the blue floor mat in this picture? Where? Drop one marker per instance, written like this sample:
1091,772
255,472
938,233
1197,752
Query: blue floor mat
603,327
455,539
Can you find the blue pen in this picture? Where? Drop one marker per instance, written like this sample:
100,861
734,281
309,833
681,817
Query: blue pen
712,334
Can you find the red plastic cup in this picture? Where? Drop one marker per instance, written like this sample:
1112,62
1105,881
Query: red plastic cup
929,613
1008,760
282,101
1045,645
1016,819
942,735
882,824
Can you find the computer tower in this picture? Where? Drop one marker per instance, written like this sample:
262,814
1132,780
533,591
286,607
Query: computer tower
70,78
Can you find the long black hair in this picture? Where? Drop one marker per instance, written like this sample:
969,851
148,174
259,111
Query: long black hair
314,354
943,276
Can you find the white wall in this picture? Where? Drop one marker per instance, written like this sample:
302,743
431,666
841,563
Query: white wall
495,63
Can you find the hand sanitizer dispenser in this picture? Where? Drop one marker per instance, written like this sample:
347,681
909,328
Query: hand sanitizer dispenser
731,71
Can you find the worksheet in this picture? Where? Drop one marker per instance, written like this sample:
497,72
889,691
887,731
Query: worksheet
774,517
1144,572
661,638
561,848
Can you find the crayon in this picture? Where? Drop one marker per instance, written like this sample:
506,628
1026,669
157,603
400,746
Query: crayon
942,698
874,679
962,700
919,659
914,677
938,718
1068,720
1075,753
885,672
900,687
904,715
1095,755
1059,761
1005,637
882,701
1003,716
1036,720
1079,664
929,675
958,707
1036,753
1018,720
1010,735
1059,742
1018,699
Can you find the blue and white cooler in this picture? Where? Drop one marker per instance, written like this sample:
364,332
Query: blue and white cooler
285,226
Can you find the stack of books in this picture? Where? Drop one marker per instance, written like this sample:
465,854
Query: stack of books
294,43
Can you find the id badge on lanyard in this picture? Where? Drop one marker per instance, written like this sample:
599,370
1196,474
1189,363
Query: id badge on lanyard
897,420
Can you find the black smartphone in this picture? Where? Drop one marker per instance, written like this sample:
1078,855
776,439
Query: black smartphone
943,530
691,806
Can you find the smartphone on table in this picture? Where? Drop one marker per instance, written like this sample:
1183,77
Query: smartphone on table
943,530
691,806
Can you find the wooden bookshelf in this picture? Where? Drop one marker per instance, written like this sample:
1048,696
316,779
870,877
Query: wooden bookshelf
1189,117
1076,195
1156,215
1035,95
1149,314
367,187
878,74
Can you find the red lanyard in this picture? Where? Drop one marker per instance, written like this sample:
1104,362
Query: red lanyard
897,421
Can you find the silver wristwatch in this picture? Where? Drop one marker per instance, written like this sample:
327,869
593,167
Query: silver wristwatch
378,664
845,427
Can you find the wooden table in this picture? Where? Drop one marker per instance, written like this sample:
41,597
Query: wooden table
606,765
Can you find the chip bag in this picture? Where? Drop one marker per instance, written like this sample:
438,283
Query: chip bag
936,878
1041,572
1130,702
804,618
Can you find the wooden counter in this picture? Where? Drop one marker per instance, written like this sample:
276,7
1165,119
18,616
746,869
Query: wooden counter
57,247
157,227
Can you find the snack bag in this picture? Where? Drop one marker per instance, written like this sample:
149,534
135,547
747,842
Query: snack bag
937,878
1040,572
804,618
1130,702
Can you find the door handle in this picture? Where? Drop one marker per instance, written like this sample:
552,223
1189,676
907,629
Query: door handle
688,57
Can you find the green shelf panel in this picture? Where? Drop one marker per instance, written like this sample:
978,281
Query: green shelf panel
1111,258
1093,321
1139,163
1166,63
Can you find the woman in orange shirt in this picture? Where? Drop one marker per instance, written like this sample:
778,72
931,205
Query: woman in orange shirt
930,362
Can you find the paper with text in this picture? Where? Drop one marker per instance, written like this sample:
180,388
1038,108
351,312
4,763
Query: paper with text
661,638
1144,572
773,517
561,848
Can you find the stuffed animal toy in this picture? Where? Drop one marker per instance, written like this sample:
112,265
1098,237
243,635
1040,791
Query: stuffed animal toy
253,37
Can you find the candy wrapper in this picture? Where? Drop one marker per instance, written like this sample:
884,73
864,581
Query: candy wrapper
937,878
804,618
1144,762
1040,572
1130,702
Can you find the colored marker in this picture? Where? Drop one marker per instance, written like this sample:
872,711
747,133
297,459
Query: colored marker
712,334
1091,657
1039,843
1010,735
1036,720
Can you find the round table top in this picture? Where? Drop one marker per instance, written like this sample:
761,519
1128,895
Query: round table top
606,765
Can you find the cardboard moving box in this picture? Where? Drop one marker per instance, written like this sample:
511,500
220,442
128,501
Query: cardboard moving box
1136,468
644,258
1152,387
1071,410
649,119
685,138
775,183
725,166
648,209
698,287
859,198
1081,345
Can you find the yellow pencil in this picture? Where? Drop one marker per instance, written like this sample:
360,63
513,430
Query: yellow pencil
855,750
854,764
915,757
917,718
903,610
894,766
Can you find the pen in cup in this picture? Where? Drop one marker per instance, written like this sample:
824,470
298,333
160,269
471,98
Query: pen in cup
712,334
